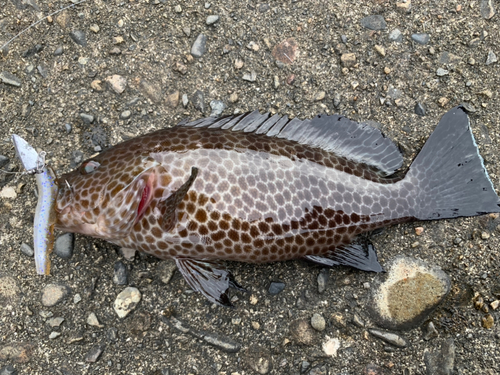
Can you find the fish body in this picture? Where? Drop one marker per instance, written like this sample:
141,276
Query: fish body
260,188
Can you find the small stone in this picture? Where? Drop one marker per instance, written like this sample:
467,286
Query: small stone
198,100
318,322
74,337
118,39
348,60
233,98
52,294
487,93
331,346
487,321
79,37
253,46
319,96
253,299
404,6
151,90
96,84
323,277
442,72
10,79
250,77
125,115
54,335
64,245
222,342
302,332
380,50
443,102
492,58
59,51
357,321
94,353
77,298
83,60
487,9
55,322
127,301
185,100
199,46
186,30
181,68
419,230
276,287
494,304
93,321
118,83
172,99
27,250
212,19
165,270
120,274
374,22
238,64
255,325
95,28
396,36
390,338
440,362
120,23
276,82
430,332
286,51
8,192
421,38
178,9
42,70
217,108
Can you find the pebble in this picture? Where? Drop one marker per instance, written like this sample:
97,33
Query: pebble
8,192
125,115
404,6
127,301
492,58
59,51
64,245
250,77
96,84
408,293
151,91
178,9
77,298
222,342
302,332
285,51
420,109
440,361
380,50
4,160
55,322
253,46
52,294
258,359
181,68
27,250
186,30
165,270
443,102
374,22
8,370
442,72
389,337
430,332
238,64
348,60
172,100
487,9
94,353
199,46
331,346
83,60
357,321
185,100
488,321
217,108
79,37
494,305
93,321
198,100
117,83
319,96
95,28
10,79
54,335
396,36
276,287
233,98
212,19
323,277
120,273
318,322
421,38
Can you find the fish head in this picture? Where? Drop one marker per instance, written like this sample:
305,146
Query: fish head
107,194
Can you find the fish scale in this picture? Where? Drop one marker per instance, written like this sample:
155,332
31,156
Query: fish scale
259,188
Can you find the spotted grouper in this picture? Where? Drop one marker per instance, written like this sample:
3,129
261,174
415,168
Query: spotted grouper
260,188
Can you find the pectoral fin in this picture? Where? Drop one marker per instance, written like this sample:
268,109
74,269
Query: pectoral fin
210,278
360,255
169,218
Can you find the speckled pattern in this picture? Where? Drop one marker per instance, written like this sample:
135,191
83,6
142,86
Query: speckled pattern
255,197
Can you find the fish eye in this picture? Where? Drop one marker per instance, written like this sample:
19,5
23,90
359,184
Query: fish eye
89,167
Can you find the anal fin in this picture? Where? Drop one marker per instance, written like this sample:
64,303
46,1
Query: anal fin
360,255
210,278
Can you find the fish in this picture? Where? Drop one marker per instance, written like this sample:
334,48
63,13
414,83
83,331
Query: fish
263,188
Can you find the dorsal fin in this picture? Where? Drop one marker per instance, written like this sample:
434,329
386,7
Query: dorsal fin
360,143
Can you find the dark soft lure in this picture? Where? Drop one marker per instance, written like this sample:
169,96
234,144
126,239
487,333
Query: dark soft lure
260,188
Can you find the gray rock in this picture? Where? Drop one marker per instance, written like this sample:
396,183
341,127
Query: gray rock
42,70
165,270
389,337
374,22
250,77
199,46
492,58
127,301
86,118
487,9
27,250
120,274
407,294
10,79
64,245
185,100
94,353
68,128
52,294
318,322
448,58
420,109
217,108
79,37
440,362
222,342
198,100
55,322
212,19
396,36
125,115
33,51
430,331
442,72
323,277
59,51
276,287
4,160
421,38
54,334
8,370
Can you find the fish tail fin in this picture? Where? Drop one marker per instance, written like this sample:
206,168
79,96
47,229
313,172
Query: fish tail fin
450,174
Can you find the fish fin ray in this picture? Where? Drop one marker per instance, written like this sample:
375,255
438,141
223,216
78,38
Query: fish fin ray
355,141
360,255
210,278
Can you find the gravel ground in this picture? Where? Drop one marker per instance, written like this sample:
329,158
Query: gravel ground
105,71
